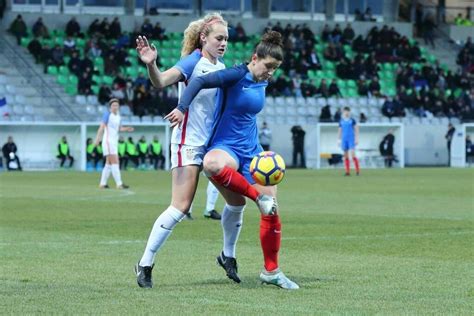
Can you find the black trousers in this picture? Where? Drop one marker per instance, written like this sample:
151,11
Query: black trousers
299,150
266,147
158,161
14,159
64,158
142,158
133,159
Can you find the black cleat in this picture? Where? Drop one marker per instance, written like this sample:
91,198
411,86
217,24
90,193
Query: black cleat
189,217
347,174
230,266
104,186
123,186
213,215
144,278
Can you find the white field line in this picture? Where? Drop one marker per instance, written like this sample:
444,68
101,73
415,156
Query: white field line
350,237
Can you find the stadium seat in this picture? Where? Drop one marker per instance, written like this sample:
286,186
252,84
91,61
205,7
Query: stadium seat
10,89
125,110
20,99
81,99
147,119
311,101
269,101
10,98
18,109
91,109
101,109
29,109
279,101
92,99
135,119
26,118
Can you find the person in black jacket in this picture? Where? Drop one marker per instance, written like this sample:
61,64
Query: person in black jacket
298,145
449,137
9,152
386,148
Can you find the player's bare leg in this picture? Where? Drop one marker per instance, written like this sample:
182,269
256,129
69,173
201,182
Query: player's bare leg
221,168
184,184
270,240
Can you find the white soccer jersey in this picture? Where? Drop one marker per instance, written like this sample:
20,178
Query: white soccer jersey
112,127
197,123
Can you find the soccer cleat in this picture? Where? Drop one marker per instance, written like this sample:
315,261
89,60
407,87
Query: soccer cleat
144,278
189,216
347,174
104,186
212,215
123,186
267,204
279,279
230,266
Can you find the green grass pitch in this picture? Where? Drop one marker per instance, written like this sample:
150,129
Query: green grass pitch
387,242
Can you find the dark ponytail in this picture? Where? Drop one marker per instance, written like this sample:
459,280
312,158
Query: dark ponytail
271,45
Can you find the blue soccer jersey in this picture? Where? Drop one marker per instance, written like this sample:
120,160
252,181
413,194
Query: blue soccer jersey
239,100
347,133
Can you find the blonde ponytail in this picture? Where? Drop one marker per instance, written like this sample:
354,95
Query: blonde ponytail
192,38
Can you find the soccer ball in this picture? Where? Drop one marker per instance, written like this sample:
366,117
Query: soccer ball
267,168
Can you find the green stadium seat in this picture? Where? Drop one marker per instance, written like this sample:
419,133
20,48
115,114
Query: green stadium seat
52,70
62,80
97,79
71,89
132,52
351,84
95,89
165,53
341,84
108,80
166,44
131,71
59,41
73,79
25,41
66,59
63,70
80,43
98,61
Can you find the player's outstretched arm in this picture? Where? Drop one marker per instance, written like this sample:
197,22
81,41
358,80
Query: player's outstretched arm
339,132
356,134
100,133
148,55
126,129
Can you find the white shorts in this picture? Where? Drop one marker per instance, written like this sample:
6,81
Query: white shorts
186,155
109,148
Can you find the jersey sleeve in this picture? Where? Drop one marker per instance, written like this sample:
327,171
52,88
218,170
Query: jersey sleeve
186,65
339,123
218,79
105,118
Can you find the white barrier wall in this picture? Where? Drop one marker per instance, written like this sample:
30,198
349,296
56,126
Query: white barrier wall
458,145
37,143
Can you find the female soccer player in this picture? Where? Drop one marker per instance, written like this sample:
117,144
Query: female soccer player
108,132
205,42
348,137
232,145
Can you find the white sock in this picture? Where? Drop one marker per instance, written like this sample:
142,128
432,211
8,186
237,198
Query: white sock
161,230
231,221
105,175
212,195
116,174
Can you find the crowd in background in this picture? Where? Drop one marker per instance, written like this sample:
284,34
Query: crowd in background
422,87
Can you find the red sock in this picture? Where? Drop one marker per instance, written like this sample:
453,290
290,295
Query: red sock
347,165
234,181
356,164
270,238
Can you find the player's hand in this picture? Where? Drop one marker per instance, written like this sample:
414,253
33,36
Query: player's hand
175,117
130,129
146,51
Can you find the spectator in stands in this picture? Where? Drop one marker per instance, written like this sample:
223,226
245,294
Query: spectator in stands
141,80
57,55
360,45
386,149
282,86
469,149
39,29
159,32
87,64
419,20
241,34
265,136
362,117
118,93
84,84
34,47
64,152
46,57
449,137
115,28
348,34
74,64
308,89
326,33
362,88
388,108
296,84
428,30
94,27
147,28
94,51
105,94
69,45
110,66
298,135
9,150
18,28
331,53
334,89
337,115
368,15
336,34
73,28
104,28
358,16
325,114
3,5
323,89
374,87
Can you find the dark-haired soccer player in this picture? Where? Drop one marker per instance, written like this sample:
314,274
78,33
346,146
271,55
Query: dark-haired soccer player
348,137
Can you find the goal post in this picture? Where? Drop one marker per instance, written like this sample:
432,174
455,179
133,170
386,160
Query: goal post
370,136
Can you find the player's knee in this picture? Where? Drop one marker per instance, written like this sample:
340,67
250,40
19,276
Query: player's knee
212,165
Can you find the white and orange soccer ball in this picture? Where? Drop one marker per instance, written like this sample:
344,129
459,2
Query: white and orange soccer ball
267,168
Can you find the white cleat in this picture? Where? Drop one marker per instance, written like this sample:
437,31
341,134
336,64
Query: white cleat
267,204
279,279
